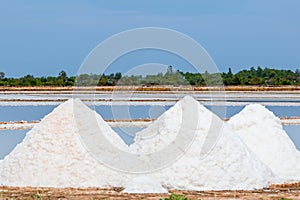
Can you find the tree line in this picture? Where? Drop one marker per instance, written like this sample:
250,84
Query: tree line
253,76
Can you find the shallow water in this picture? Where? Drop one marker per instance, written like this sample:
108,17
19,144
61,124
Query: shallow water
29,113
294,133
127,133
9,140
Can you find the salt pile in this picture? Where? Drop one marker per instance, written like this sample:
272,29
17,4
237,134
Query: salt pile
261,130
144,184
52,155
228,165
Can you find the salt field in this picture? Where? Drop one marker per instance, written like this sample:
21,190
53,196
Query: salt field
16,109
233,163
56,140
150,100
30,113
147,98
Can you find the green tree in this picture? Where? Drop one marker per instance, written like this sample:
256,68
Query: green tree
62,74
118,76
259,71
2,75
103,81
169,70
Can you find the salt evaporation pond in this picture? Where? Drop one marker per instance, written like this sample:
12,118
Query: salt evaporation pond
9,139
294,133
53,147
127,133
29,113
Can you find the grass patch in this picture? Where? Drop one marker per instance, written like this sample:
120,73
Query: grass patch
175,197
37,196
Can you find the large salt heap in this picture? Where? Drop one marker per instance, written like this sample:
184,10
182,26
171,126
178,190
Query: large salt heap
52,154
262,131
213,157
195,150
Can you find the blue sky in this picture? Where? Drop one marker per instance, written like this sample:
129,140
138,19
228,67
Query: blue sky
44,37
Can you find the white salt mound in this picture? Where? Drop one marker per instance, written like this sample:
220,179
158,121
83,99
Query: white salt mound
161,132
261,130
144,184
229,165
52,155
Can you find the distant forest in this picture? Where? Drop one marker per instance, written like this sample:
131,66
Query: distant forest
253,76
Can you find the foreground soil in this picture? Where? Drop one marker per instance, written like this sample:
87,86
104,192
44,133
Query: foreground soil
274,192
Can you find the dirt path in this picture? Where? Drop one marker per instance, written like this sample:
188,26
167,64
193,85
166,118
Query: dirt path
164,88
273,193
